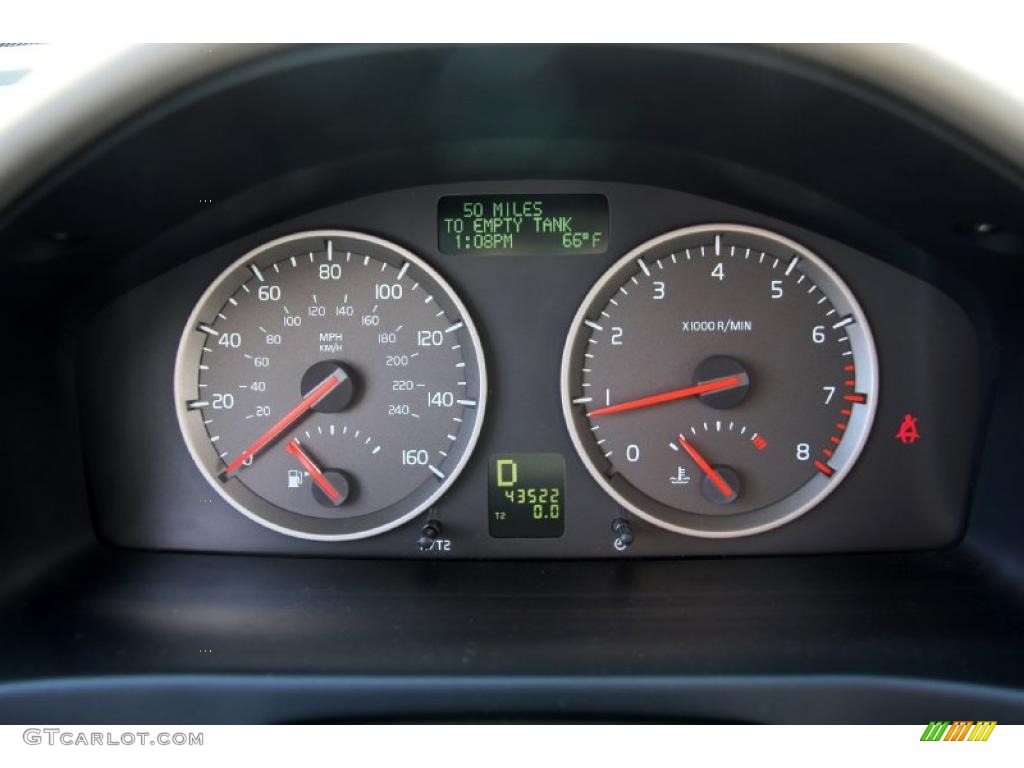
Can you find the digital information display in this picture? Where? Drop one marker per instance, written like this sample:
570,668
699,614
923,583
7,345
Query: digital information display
526,496
521,225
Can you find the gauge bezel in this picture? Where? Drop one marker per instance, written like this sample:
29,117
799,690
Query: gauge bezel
244,500
773,515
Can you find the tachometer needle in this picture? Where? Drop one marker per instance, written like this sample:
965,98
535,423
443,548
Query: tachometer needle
723,487
319,392
295,449
705,387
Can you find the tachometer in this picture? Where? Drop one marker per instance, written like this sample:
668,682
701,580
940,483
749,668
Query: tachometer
330,385
719,380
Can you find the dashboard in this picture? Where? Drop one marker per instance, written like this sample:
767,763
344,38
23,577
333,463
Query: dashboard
377,383
458,417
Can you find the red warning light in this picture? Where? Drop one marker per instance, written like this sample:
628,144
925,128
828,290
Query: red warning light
908,434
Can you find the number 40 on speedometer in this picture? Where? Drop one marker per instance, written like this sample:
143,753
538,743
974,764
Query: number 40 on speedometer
330,385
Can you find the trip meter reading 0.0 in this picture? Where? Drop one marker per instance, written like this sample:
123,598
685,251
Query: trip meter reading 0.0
526,495
719,380
330,385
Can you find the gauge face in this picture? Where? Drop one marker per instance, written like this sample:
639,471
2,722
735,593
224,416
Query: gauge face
330,385
719,380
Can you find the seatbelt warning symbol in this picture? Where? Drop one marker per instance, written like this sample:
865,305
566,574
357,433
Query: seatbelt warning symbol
908,434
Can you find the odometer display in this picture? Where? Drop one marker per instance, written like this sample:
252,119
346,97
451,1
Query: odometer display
330,385
526,496
719,380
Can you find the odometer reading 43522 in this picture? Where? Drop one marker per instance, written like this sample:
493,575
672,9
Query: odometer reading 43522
719,380
330,385
526,496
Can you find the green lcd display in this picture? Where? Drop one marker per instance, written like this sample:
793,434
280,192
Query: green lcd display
520,225
526,495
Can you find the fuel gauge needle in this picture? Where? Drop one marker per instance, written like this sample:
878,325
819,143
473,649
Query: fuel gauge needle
295,449
320,391
724,488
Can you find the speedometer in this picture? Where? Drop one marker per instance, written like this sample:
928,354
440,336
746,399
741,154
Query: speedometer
719,380
330,385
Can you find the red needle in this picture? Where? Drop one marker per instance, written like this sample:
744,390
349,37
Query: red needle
715,385
725,489
314,471
321,391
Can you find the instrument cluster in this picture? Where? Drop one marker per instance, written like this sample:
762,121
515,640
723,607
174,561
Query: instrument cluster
535,370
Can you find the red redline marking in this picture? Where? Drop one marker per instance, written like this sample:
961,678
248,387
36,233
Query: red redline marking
840,425
826,451
846,412
858,398
715,385
850,383
825,469
314,471
835,440
760,443
847,367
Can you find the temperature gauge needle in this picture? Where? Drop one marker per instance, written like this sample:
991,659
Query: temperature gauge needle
723,487
319,392
704,388
295,449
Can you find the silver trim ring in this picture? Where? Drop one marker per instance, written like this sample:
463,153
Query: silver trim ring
814,490
185,381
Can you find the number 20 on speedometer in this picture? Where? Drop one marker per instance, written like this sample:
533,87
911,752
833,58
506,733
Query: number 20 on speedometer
330,385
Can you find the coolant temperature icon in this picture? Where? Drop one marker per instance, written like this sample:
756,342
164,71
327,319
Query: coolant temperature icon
681,477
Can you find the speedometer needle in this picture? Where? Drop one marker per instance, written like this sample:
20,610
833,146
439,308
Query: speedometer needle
295,449
319,392
705,387
724,488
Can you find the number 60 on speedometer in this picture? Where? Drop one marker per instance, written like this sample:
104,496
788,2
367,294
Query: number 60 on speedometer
330,385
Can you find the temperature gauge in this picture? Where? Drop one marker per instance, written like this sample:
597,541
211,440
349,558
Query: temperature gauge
745,353
715,470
